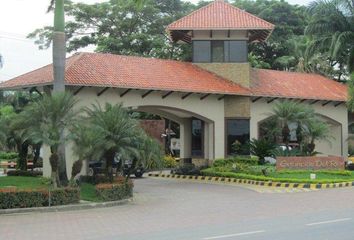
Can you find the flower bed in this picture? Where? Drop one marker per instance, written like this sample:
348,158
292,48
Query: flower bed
13,198
114,191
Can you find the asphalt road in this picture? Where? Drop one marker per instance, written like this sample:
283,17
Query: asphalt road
168,209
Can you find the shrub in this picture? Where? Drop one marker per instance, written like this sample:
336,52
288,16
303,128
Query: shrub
12,198
24,173
261,148
100,178
169,161
188,169
229,162
115,191
8,155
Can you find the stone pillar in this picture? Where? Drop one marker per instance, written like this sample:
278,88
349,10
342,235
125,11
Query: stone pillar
186,138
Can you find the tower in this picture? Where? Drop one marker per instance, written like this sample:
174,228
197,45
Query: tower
219,34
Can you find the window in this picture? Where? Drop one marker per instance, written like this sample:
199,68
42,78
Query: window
237,131
217,51
201,51
220,51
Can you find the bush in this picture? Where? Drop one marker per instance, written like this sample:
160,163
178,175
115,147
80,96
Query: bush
261,148
229,162
8,155
115,191
12,198
169,162
100,178
24,173
188,169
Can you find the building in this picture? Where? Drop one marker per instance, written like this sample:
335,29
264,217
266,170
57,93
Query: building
216,99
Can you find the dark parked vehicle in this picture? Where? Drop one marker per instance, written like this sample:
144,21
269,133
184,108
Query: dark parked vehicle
99,167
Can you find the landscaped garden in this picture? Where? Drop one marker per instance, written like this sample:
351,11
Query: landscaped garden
287,119
105,133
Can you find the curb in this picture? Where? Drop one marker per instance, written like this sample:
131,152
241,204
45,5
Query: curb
254,182
63,208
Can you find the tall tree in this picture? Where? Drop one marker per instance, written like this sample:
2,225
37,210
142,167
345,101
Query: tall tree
332,30
128,27
47,119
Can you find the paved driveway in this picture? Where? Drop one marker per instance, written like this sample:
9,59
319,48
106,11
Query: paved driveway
168,209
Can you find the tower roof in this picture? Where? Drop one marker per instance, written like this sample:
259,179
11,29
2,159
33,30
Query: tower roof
220,15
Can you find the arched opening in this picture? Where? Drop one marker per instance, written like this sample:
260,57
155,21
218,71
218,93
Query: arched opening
331,146
195,137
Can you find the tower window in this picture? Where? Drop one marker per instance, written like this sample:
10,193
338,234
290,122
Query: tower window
217,51
206,51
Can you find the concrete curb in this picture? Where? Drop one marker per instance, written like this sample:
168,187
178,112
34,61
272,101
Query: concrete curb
62,208
254,182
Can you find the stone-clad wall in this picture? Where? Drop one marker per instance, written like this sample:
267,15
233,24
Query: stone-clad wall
236,72
237,107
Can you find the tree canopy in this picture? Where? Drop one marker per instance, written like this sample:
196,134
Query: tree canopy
298,42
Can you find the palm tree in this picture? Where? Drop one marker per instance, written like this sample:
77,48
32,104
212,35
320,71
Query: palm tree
47,120
286,112
317,130
116,133
332,29
350,103
149,152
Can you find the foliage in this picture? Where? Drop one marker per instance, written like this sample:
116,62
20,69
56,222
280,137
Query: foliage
188,169
169,162
24,173
292,178
121,27
280,152
12,198
45,121
261,148
8,155
331,28
229,162
350,102
289,20
114,191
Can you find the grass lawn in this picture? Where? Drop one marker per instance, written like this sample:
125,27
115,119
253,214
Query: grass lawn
88,192
23,182
253,173
319,175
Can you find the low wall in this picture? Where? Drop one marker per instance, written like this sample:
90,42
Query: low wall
310,163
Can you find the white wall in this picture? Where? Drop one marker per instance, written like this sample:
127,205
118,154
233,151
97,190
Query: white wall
210,110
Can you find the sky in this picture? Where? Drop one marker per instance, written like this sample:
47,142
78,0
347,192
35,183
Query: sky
20,17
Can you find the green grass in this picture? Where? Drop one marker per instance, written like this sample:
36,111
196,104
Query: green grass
286,176
319,175
88,192
24,182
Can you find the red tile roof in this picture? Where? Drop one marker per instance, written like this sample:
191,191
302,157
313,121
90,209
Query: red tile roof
219,15
108,70
271,83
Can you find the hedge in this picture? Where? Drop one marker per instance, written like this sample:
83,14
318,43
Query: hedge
8,155
114,191
12,198
24,173
213,173
235,160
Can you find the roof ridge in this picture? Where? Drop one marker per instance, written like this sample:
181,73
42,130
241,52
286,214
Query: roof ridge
226,4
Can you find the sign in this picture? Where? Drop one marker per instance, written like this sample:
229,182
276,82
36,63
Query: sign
175,144
310,163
